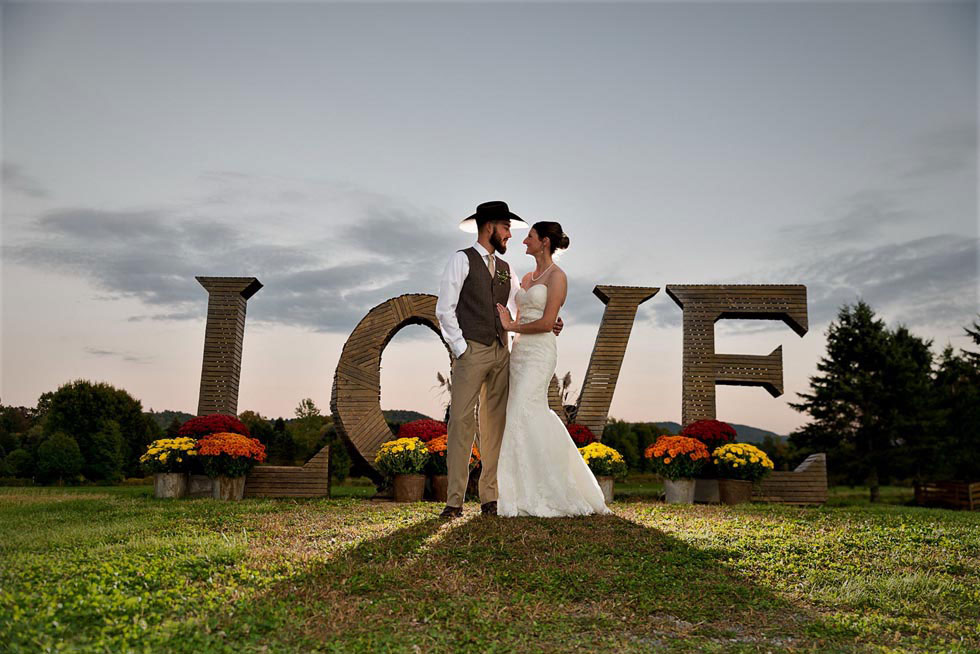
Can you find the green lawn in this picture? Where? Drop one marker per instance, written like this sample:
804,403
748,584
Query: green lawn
112,569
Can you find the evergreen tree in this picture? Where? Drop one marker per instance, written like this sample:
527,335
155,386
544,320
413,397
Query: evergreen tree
282,448
870,400
173,428
956,453
307,429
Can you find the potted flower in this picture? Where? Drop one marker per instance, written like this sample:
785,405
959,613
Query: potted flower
227,459
438,468
215,423
606,464
713,433
581,434
404,460
198,483
739,465
678,459
425,430
169,460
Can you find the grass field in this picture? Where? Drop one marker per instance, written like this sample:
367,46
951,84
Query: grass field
112,569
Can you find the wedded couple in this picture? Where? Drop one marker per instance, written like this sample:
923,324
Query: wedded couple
531,466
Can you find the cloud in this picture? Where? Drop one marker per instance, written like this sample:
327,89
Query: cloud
925,282
322,279
944,152
132,358
862,215
17,181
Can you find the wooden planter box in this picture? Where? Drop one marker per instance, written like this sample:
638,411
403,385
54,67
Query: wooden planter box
310,480
953,494
805,485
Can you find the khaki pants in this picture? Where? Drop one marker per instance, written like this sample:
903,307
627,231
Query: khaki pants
483,371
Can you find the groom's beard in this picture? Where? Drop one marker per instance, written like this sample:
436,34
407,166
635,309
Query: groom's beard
497,244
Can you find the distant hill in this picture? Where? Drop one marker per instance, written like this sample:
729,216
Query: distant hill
746,434
401,415
164,418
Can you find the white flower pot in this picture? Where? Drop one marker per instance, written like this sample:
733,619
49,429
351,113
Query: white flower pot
170,485
679,491
606,484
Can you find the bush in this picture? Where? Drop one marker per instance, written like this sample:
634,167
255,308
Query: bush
713,433
15,481
217,423
229,454
581,434
677,457
741,461
103,454
59,458
424,430
169,455
20,463
437,456
84,409
340,458
603,461
404,456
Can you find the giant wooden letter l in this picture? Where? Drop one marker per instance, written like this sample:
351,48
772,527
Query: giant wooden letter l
227,297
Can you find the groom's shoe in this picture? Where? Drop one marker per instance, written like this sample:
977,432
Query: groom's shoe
489,508
451,512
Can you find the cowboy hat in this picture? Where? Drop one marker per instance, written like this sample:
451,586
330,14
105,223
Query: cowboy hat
493,210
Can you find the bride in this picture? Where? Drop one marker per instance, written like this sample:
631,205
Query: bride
540,471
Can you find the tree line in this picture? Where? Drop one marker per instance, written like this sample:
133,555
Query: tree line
882,406
92,432
885,409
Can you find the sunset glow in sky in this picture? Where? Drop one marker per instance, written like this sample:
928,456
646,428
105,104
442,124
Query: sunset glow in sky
330,150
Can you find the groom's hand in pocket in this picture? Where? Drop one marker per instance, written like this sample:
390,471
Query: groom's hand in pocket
559,325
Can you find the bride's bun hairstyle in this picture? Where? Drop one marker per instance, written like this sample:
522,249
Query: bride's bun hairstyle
557,239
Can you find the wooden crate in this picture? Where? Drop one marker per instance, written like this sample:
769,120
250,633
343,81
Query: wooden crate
953,494
310,480
805,485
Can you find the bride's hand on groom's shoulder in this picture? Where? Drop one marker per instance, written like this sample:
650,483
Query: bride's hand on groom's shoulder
505,320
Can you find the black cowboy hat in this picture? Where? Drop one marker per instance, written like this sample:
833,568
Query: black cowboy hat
493,210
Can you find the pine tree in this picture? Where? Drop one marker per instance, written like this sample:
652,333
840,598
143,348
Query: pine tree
870,404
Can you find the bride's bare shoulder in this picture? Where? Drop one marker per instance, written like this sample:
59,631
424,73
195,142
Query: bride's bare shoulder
557,274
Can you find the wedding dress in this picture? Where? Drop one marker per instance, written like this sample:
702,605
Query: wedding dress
540,471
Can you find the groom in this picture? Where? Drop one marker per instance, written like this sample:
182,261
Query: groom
474,282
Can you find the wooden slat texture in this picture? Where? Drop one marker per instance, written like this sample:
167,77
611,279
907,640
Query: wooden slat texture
703,368
355,399
223,336
953,494
608,352
805,485
310,480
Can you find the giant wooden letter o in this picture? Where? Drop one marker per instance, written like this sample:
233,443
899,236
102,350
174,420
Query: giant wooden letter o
356,398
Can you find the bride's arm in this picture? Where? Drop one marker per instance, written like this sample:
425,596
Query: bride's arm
557,290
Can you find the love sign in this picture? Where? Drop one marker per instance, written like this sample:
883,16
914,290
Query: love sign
356,395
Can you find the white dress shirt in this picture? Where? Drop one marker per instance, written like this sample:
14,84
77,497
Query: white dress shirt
449,288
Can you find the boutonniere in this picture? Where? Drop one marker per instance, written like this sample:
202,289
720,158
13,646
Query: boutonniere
503,276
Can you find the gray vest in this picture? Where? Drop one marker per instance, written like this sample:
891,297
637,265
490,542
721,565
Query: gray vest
476,310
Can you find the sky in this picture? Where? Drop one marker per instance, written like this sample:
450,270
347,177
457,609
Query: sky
330,150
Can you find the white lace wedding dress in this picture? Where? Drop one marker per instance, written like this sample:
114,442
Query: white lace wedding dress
540,471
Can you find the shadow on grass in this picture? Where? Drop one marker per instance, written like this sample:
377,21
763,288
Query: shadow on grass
523,584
